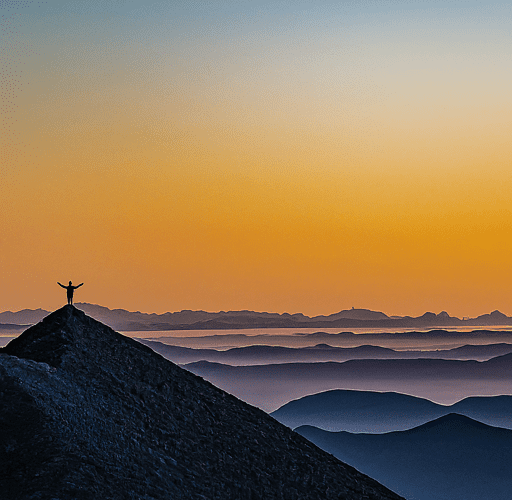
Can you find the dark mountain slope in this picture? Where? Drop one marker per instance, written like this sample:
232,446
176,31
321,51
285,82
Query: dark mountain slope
86,413
451,458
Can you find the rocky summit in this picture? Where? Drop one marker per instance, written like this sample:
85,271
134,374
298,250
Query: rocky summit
86,413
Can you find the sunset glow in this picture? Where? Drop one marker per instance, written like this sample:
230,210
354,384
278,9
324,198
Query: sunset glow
278,156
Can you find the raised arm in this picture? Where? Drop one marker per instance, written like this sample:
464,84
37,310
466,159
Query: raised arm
61,285
78,286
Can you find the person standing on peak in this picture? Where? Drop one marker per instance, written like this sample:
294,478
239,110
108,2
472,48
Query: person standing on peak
70,289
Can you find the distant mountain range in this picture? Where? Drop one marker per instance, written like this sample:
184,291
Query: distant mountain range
122,320
265,354
378,412
451,458
402,340
445,381
10,326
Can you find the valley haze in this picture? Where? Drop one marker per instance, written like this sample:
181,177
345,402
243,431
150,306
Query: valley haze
457,369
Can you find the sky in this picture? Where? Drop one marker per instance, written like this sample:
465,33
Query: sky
284,156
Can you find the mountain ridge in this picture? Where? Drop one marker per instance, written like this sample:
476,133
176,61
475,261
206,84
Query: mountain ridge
124,320
87,413
269,354
442,380
378,412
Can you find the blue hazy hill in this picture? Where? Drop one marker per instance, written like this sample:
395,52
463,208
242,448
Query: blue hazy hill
450,458
377,412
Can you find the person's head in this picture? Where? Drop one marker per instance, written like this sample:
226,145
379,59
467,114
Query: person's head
70,283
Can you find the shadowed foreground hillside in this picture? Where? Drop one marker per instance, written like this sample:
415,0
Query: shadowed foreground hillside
86,413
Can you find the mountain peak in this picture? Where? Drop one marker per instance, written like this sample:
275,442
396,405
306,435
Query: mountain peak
428,316
69,339
497,314
88,413
450,423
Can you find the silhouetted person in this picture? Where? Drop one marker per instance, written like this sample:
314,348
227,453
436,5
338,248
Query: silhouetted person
70,289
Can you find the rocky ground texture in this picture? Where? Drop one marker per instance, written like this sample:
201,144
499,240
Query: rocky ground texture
86,413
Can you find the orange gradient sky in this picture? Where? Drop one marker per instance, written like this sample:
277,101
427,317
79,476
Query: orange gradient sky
278,156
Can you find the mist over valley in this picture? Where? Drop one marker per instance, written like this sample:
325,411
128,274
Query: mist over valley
403,382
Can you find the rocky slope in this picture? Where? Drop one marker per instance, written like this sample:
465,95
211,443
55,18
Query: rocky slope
86,413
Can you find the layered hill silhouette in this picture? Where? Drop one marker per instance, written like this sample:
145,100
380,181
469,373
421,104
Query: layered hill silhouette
445,381
86,413
23,317
378,412
402,341
450,458
263,354
121,319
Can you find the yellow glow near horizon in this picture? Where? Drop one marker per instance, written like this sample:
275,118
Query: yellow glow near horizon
302,167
